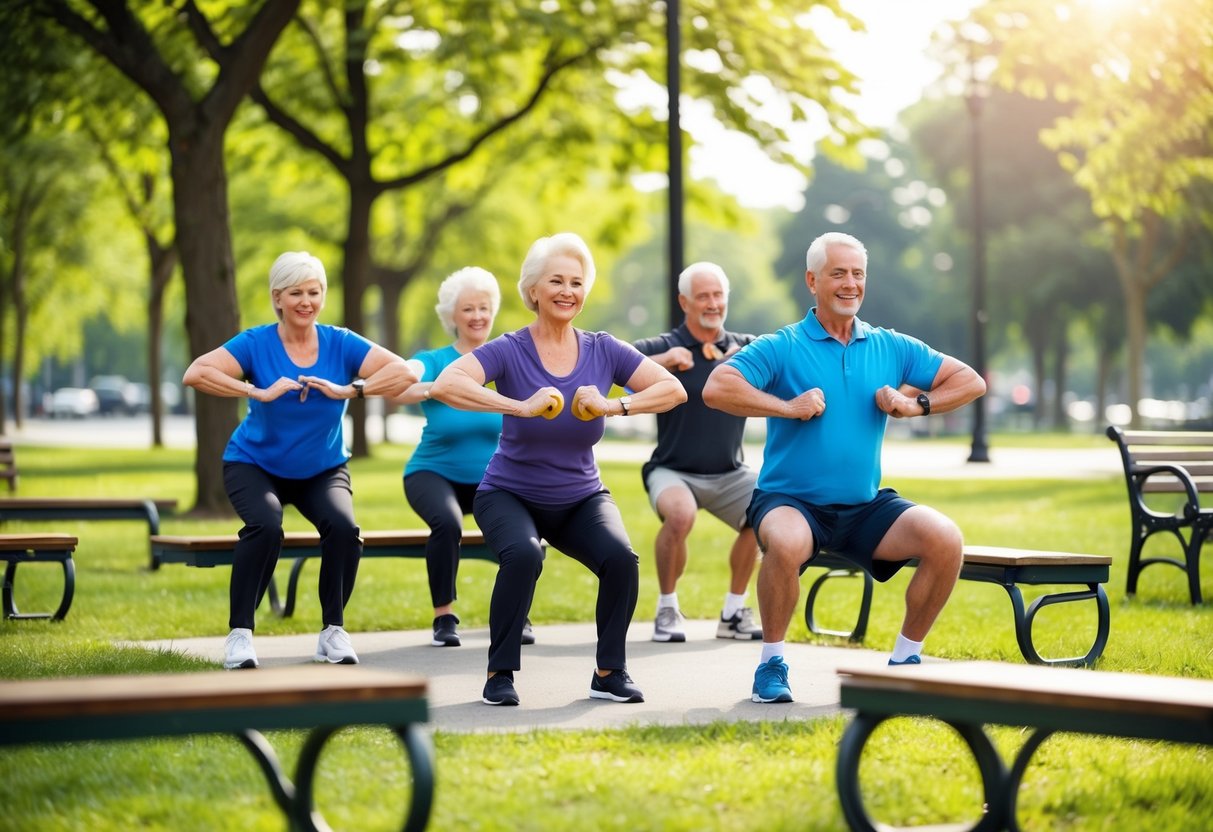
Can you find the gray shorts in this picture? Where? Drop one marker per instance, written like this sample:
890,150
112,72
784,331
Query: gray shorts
726,496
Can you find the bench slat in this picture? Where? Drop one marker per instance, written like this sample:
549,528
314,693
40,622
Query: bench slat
292,540
164,693
1029,684
21,542
1197,438
1001,556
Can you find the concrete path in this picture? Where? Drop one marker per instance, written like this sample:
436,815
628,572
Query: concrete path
703,680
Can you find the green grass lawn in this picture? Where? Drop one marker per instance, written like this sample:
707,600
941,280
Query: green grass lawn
727,776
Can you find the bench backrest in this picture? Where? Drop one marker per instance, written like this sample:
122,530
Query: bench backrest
1141,450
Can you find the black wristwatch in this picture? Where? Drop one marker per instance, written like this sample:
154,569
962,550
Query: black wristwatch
924,403
358,385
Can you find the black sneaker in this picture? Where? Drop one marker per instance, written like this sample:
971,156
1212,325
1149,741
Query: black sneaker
616,686
528,633
499,689
444,631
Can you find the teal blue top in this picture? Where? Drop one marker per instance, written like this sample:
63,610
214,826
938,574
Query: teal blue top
455,444
834,458
292,437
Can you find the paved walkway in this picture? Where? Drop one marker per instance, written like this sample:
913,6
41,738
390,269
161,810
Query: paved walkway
704,680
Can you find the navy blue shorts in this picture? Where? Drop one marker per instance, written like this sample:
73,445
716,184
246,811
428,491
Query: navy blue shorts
850,531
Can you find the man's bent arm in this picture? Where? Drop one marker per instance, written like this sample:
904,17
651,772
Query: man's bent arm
956,384
728,390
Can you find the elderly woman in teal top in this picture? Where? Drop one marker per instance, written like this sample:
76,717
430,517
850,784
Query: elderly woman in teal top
441,477
290,447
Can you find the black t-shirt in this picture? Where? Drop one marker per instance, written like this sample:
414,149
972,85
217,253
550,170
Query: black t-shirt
693,437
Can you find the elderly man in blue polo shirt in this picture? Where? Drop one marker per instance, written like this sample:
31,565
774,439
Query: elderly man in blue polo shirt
827,386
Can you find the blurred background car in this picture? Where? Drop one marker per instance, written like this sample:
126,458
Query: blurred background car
73,403
116,396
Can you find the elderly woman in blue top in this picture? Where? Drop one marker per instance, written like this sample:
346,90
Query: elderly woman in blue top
298,376
441,476
543,481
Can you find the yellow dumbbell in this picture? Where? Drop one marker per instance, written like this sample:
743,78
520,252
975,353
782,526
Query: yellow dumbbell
582,411
554,407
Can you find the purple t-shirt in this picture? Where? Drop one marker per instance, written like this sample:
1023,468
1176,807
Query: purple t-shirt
551,461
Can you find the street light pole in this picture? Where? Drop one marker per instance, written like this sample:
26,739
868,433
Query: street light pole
980,451
673,41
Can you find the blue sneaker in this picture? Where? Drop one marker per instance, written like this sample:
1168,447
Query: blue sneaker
911,660
771,682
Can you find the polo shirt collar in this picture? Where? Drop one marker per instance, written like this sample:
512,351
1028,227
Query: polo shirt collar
813,328
688,340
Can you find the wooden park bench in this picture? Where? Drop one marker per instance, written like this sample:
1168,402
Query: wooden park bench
969,695
1009,568
219,550
1178,464
16,549
320,699
87,508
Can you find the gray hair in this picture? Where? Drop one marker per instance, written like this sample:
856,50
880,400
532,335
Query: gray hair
471,278
292,268
688,274
544,249
815,257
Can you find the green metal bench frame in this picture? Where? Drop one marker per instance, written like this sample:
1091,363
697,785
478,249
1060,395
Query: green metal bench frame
969,695
242,704
1008,568
72,508
16,549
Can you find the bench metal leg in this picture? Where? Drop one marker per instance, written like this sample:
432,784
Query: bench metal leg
153,528
850,749
1015,777
296,799
65,603
865,605
1023,622
292,588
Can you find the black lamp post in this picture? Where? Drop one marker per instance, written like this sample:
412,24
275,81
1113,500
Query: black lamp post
674,128
980,451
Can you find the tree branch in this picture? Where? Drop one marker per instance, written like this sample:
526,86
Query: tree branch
298,130
553,69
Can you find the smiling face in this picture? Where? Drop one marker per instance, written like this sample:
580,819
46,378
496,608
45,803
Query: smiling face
840,285
560,293
708,303
473,316
299,305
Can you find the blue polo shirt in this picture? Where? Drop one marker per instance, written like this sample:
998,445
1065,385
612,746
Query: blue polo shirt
834,458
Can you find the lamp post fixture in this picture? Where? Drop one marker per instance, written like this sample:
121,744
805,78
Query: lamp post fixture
980,451
673,42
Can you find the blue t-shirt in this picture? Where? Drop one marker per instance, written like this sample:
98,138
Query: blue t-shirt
455,444
834,458
551,461
287,437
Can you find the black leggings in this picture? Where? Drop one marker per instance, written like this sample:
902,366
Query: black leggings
592,533
442,504
326,501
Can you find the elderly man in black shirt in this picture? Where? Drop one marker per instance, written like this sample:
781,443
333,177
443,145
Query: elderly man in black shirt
698,459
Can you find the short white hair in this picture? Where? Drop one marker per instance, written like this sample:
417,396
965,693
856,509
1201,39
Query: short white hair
471,278
544,249
292,268
688,274
815,257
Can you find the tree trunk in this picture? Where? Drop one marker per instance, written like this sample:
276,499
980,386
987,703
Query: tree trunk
162,261
354,272
1135,323
1039,373
205,245
1060,355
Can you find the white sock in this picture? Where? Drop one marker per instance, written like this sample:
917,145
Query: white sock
670,600
904,648
732,603
770,650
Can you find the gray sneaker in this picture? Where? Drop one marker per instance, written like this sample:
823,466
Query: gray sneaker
334,647
741,626
238,650
668,626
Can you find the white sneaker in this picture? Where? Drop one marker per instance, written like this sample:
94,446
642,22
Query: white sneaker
741,626
334,647
668,626
238,650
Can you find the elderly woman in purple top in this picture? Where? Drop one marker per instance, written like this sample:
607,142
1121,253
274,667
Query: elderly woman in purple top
543,481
